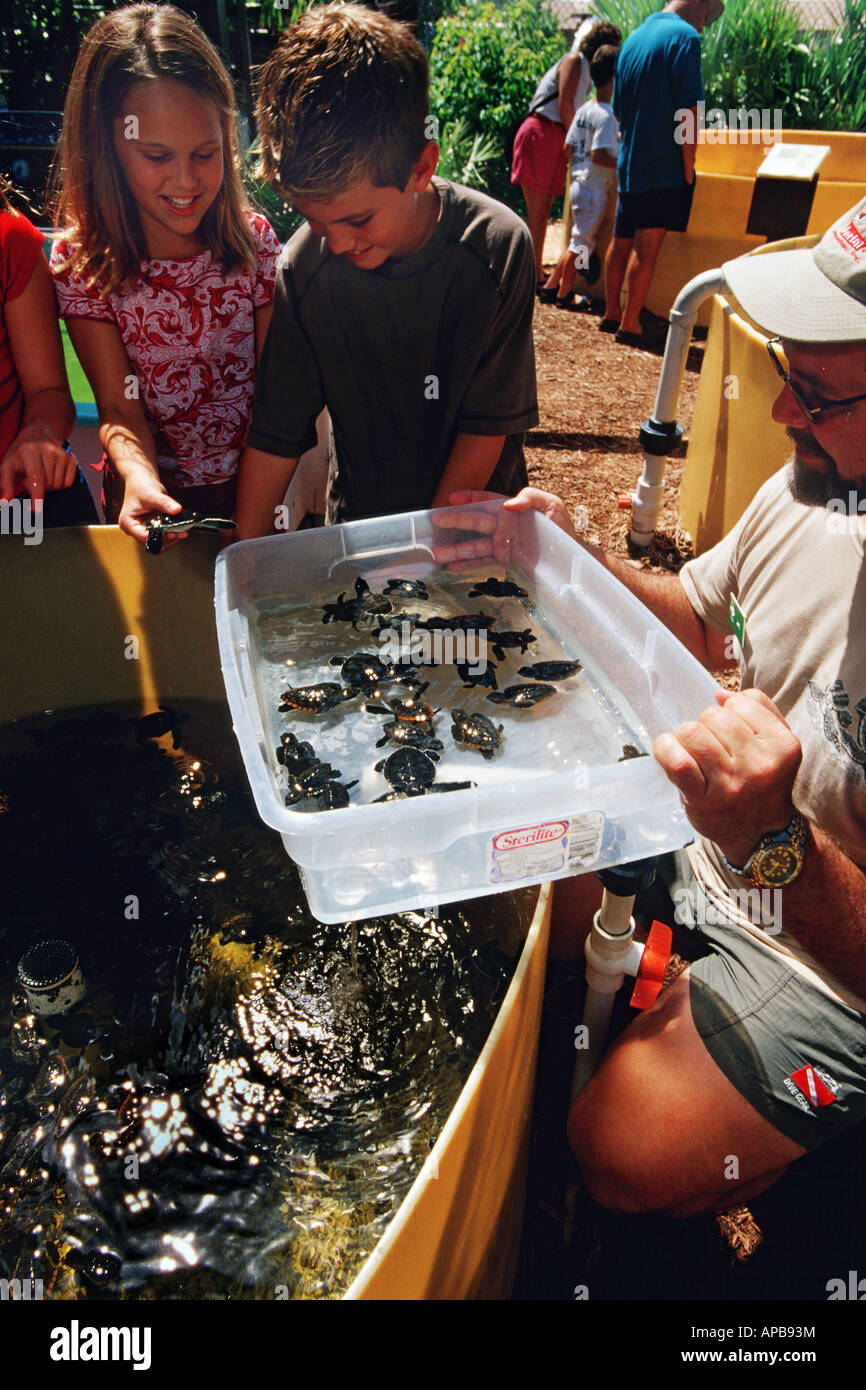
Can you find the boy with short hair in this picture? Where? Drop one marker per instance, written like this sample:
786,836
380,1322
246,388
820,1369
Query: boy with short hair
404,306
594,141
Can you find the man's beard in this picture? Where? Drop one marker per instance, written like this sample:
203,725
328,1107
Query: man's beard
816,488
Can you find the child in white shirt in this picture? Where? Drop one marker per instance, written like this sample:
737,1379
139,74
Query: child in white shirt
594,141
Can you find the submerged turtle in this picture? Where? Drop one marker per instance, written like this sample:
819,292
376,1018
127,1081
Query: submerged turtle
497,588
316,698
407,588
550,670
523,696
485,677
458,622
365,605
476,731
629,751
163,721
501,640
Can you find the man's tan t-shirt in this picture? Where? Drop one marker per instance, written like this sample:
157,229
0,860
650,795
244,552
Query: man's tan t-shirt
798,575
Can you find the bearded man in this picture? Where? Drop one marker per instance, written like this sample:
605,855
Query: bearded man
758,1051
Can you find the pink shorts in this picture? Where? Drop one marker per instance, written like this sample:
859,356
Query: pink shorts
540,156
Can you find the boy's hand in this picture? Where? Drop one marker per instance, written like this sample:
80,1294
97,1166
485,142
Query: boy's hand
35,464
143,496
493,530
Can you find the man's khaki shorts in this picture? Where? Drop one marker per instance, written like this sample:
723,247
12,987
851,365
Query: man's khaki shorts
796,1055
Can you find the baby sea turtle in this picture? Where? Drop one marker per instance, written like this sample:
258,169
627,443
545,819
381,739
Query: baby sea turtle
365,672
476,731
411,711
394,623
408,736
365,605
316,698
163,721
163,524
292,752
501,640
523,696
407,588
309,780
550,670
497,588
485,677
458,622
629,751
409,771
332,796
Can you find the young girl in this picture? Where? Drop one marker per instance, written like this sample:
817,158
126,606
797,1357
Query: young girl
164,275
36,410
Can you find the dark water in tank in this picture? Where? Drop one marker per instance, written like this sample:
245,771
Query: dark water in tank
242,1101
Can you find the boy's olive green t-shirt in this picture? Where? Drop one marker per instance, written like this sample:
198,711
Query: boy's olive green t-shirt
405,357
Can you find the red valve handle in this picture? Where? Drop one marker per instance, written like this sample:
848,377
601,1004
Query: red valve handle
654,963
624,501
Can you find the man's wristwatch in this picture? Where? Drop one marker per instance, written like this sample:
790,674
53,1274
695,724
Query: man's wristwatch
779,857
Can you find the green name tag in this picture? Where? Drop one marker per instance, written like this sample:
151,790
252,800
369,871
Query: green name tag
737,620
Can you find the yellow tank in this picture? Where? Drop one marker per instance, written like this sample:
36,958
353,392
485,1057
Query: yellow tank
734,444
89,618
723,195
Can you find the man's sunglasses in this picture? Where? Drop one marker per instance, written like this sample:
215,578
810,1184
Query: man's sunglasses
815,412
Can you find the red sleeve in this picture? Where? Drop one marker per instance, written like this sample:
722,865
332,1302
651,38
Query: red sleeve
75,298
20,247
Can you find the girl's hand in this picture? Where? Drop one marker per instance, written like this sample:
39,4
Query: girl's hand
35,463
144,495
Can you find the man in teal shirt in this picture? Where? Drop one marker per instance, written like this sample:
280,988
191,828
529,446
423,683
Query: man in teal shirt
658,78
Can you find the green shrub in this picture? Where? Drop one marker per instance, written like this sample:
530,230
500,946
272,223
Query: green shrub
464,157
282,216
486,62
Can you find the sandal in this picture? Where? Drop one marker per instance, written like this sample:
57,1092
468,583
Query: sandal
571,301
635,340
545,295
608,326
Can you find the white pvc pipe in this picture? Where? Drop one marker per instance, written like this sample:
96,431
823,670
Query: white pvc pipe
648,496
611,954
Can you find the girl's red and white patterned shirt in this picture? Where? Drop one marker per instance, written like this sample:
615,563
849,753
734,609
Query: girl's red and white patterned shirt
188,329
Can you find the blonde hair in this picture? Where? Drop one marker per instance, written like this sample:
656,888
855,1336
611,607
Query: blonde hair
91,201
342,97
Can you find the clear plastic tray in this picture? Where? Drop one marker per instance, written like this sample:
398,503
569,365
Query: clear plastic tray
554,801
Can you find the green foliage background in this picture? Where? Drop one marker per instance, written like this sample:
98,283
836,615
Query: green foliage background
486,61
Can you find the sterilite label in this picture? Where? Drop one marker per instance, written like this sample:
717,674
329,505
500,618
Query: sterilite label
534,851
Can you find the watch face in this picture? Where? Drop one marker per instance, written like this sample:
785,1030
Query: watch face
776,865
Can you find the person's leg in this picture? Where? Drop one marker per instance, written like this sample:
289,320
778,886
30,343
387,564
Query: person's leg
538,207
554,279
660,1128
567,275
647,244
615,263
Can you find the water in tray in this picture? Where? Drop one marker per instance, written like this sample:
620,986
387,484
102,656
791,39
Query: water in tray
585,722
